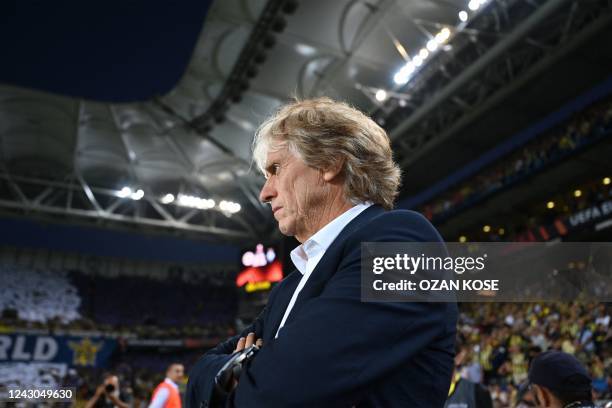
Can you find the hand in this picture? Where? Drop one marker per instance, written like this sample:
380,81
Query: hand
248,342
101,389
242,344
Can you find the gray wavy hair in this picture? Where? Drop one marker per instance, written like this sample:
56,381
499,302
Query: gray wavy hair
323,133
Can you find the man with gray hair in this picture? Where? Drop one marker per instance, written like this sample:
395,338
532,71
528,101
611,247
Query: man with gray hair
331,183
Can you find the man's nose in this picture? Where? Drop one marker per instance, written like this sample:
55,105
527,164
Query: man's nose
268,192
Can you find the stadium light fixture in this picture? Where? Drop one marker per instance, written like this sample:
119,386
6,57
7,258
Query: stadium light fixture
501,231
486,228
474,5
229,206
195,202
124,192
206,204
443,35
402,76
463,15
168,199
462,238
305,50
185,200
577,193
137,195
432,45
606,181
550,205
381,95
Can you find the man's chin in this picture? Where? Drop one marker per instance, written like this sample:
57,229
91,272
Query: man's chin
285,229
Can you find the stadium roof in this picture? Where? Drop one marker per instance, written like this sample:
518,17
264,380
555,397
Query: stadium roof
142,113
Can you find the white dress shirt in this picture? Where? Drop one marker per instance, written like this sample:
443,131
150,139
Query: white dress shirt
162,395
306,256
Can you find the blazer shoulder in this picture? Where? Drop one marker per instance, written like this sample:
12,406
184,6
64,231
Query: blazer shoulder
398,225
401,215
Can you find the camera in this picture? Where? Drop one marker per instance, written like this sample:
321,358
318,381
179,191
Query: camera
109,388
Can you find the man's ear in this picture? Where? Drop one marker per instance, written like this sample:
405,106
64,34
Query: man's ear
333,170
542,396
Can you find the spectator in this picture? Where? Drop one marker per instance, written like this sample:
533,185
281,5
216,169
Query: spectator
464,393
558,380
166,394
584,127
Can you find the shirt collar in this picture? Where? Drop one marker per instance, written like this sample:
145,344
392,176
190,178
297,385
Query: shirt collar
323,238
172,383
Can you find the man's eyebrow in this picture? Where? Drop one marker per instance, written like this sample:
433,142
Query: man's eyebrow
271,163
268,169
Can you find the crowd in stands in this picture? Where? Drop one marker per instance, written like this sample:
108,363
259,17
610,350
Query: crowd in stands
129,301
210,332
39,301
584,128
566,203
500,340
124,306
497,341
39,296
566,206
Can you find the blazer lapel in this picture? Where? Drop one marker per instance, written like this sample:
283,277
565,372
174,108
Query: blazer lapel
277,309
327,266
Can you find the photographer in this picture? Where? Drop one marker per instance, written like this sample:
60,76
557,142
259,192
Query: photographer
107,394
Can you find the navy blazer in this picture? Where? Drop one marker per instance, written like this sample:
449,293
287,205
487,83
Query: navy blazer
335,350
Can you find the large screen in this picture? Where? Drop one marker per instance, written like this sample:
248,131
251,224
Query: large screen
260,268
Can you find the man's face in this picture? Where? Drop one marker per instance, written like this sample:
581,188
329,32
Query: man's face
176,372
296,192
